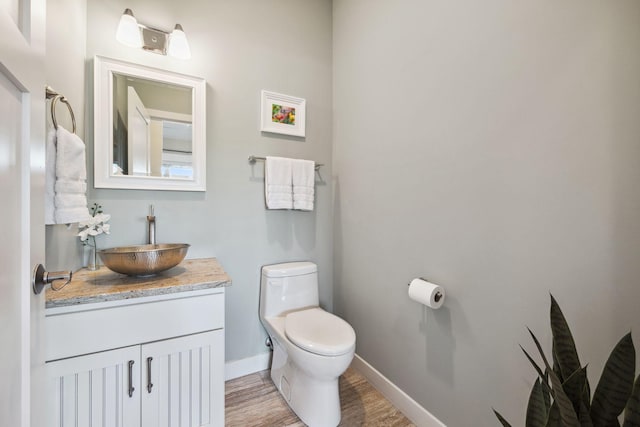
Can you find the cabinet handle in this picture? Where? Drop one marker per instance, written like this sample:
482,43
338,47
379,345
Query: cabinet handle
149,383
131,388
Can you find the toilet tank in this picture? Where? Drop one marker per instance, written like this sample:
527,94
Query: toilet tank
286,287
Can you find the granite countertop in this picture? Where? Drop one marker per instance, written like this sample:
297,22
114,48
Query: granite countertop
105,285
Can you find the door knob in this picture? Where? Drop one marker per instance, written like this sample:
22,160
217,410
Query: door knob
41,277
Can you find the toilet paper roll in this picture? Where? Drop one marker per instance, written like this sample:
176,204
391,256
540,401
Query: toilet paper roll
426,293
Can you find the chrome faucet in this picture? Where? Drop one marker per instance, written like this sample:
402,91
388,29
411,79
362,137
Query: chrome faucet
151,225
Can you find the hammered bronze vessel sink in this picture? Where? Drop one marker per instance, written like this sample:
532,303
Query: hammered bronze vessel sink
144,260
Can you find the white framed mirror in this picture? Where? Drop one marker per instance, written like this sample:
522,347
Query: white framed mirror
149,128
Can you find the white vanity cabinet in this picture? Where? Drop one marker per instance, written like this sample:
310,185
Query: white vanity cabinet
92,390
148,361
164,383
181,385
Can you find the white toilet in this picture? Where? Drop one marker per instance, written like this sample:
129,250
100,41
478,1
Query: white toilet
311,347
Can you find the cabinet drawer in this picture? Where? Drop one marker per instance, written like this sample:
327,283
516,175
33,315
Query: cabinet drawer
99,329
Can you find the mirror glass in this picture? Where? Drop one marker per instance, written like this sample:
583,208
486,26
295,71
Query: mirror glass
152,128
149,127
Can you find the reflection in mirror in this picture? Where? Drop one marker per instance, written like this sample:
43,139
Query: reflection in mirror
156,137
177,156
152,133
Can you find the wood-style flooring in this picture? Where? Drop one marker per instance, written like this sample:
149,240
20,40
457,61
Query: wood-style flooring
254,401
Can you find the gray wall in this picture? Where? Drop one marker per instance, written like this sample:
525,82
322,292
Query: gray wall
492,147
239,47
65,58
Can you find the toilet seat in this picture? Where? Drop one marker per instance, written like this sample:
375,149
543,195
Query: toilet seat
319,332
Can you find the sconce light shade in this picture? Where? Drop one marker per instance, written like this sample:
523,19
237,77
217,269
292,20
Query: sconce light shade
132,34
178,45
128,32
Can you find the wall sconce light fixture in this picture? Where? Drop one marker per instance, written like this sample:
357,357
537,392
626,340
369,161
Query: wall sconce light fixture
133,34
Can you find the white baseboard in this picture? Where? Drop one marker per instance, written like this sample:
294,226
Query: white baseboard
242,367
401,400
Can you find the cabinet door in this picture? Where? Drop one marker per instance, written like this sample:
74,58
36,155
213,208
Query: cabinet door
183,381
94,390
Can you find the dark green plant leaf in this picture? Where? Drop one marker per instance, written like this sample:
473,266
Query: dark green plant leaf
565,406
632,411
564,348
615,385
547,391
537,411
543,376
586,397
565,356
556,364
504,422
574,387
533,362
583,416
554,417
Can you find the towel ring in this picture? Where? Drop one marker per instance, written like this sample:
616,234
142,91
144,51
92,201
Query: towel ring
53,111
50,93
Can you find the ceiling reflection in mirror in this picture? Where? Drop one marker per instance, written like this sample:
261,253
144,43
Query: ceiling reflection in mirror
152,128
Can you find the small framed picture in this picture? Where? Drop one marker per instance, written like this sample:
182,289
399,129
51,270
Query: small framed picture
282,114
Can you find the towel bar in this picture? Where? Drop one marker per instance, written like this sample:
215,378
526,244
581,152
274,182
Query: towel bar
52,94
253,159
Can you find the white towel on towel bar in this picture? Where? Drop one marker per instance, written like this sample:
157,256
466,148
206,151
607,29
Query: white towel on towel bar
50,178
65,188
70,186
278,190
303,176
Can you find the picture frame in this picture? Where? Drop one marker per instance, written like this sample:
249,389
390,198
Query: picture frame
282,114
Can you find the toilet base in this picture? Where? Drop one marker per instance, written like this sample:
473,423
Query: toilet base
315,401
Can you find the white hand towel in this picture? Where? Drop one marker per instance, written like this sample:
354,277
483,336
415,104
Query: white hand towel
277,183
70,157
50,178
70,186
70,200
303,176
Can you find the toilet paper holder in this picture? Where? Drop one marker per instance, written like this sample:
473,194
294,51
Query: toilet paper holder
437,297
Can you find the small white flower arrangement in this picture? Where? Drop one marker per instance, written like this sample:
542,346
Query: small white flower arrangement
95,226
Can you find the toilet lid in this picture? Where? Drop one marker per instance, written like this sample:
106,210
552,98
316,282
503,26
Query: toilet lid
319,332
